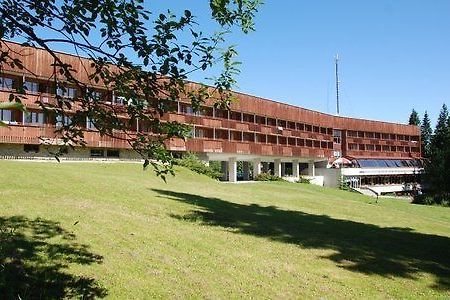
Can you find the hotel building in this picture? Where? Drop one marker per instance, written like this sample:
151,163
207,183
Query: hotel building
267,136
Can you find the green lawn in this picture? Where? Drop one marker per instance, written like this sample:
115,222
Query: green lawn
94,230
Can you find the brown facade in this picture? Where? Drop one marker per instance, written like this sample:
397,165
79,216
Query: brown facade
253,126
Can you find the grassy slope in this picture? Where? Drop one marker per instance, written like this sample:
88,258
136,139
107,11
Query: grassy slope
138,237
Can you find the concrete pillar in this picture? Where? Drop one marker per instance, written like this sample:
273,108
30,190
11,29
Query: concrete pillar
256,167
311,169
232,169
246,170
277,167
295,168
223,169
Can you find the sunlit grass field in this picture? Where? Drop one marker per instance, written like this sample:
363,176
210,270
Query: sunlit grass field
113,230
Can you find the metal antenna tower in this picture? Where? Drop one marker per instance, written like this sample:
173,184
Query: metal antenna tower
336,60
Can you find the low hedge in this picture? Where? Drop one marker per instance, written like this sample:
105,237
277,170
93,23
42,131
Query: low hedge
193,163
267,177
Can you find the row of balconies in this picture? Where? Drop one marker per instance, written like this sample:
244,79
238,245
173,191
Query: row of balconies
322,133
21,134
29,134
215,146
383,154
240,126
382,142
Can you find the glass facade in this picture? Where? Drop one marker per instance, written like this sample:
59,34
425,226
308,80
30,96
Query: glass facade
388,163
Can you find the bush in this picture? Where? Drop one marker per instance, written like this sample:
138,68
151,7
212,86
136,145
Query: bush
193,163
428,199
304,180
267,177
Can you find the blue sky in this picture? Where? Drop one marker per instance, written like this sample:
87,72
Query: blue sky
395,55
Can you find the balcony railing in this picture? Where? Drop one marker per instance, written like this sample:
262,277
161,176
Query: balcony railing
30,134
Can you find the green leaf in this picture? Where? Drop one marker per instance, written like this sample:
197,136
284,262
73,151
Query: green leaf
11,105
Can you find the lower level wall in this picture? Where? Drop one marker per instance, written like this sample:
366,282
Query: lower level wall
331,177
16,151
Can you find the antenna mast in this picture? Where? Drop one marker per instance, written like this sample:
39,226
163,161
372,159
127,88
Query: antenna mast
336,60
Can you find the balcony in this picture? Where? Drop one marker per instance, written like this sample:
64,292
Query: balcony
31,134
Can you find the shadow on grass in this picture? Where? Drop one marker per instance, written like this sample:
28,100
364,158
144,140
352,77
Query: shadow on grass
34,256
359,247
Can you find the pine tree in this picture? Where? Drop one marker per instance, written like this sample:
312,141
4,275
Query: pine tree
414,118
437,169
426,132
441,131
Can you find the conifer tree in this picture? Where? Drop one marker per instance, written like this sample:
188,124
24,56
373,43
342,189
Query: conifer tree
441,131
437,169
414,118
426,132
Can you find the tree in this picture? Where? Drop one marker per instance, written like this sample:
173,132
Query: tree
426,132
136,53
437,168
441,131
414,118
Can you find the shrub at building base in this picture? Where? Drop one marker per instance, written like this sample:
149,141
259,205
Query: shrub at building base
267,177
428,199
193,163
304,180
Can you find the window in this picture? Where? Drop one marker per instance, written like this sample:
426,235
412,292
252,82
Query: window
31,87
191,133
62,121
260,138
370,135
66,92
34,117
370,147
119,100
31,148
97,153
6,115
352,146
337,136
352,133
112,153
95,95
271,122
199,132
6,83
90,124
187,109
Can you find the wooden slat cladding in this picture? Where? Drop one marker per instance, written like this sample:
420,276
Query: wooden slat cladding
31,134
213,146
39,62
253,126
